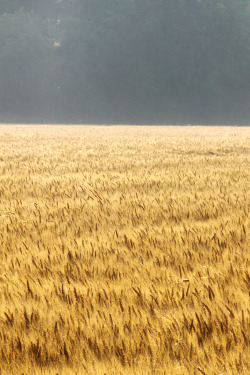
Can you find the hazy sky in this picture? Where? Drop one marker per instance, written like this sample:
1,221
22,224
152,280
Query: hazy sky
118,61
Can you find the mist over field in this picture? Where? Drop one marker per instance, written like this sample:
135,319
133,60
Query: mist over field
125,61
124,249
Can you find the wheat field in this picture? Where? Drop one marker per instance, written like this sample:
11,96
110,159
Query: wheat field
124,250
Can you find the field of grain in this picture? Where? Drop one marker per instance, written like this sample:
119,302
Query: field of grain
124,250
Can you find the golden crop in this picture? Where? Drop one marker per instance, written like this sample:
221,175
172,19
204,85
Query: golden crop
124,250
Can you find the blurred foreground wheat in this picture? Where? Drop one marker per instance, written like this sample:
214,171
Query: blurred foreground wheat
124,250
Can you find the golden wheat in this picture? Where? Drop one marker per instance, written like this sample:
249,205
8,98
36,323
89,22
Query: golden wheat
124,250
